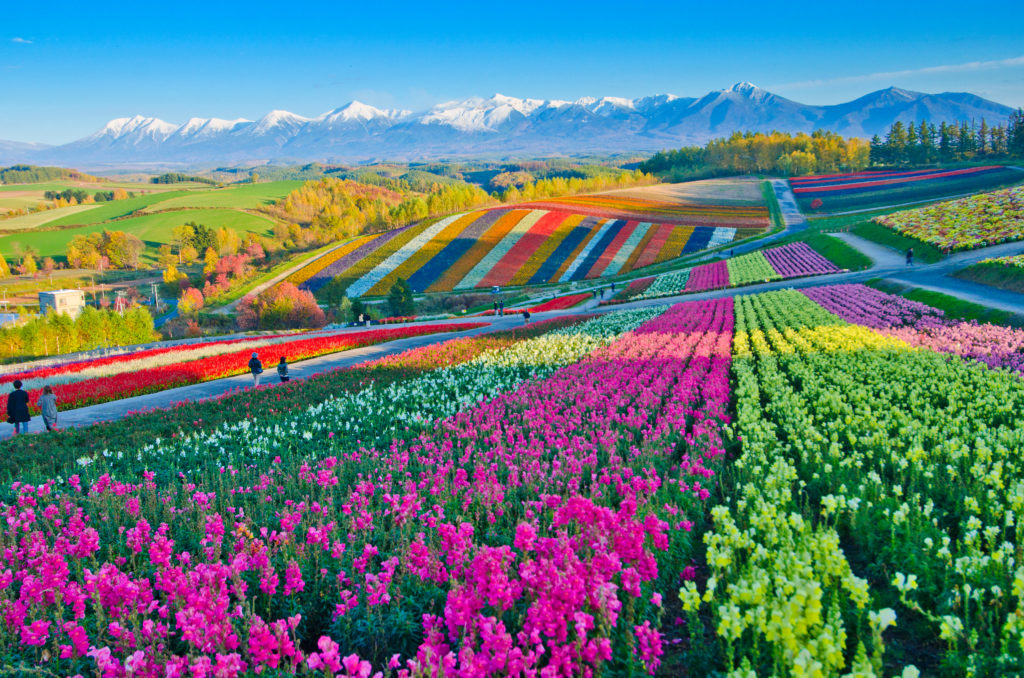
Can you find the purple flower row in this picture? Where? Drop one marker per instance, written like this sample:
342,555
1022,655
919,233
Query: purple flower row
923,326
798,259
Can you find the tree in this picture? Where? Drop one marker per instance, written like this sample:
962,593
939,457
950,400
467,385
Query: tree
139,324
89,326
5,271
188,254
210,260
171,275
281,306
123,249
357,309
400,299
28,265
190,302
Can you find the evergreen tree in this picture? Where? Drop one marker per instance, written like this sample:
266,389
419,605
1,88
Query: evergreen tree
400,299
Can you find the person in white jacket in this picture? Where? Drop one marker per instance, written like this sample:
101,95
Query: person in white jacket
48,405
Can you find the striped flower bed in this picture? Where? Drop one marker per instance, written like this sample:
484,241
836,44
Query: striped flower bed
505,247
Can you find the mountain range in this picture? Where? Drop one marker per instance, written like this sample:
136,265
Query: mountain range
496,126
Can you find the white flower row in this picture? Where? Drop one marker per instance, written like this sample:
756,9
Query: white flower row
503,247
721,236
632,242
378,272
378,413
667,284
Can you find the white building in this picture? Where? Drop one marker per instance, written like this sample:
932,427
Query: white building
62,301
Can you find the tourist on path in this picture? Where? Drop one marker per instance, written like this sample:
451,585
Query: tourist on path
282,370
910,256
17,409
48,404
256,367
526,317
501,307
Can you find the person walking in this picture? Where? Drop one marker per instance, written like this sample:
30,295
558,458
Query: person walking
282,370
17,409
910,256
501,307
256,367
526,317
48,404
495,308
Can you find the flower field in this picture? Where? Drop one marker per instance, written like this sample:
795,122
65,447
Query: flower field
870,189
105,379
776,263
563,240
819,482
965,224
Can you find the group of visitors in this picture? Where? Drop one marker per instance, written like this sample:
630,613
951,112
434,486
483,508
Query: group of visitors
256,367
17,408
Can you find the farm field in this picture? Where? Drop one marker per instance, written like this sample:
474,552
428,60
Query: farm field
152,228
832,193
634,490
562,240
245,196
43,218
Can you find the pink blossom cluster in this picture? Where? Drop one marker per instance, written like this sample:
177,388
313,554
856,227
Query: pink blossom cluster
798,259
920,325
711,276
528,534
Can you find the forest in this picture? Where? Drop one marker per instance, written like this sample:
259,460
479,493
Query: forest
922,143
759,153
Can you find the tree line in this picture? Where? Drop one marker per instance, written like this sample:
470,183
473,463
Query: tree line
924,143
56,333
78,196
34,174
179,178
760,153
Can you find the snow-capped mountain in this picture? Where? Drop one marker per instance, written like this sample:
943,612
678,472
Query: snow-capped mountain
498,125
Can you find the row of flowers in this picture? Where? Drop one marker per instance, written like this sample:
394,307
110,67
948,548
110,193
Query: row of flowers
142,380
968,223
130,362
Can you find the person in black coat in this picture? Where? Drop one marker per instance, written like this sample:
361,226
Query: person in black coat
17,409
256,367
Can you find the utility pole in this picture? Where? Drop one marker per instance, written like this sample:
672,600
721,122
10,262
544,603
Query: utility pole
156,303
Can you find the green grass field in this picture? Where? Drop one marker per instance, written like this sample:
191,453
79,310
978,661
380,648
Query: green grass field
1010,278
246,196
837,251
154,229
46,217
890,238
19,202
114,210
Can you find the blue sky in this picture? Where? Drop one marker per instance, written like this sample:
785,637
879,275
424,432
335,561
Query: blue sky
65,69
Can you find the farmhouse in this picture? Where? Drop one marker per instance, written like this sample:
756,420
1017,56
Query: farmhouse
62,301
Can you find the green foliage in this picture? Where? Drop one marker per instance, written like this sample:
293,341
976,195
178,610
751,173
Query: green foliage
890,238
773,204
33,174
400,299
57,333
750,152
1009,278
178,178
922,143
837,251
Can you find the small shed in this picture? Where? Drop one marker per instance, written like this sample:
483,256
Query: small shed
62,301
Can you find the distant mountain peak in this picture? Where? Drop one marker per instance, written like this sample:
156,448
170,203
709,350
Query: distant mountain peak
744,87
498,125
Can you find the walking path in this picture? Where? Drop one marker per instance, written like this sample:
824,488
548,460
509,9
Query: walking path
92,414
